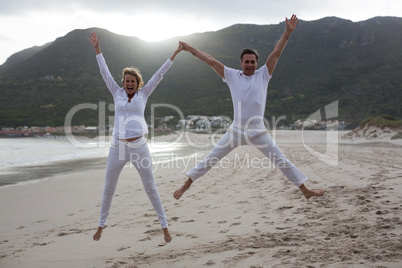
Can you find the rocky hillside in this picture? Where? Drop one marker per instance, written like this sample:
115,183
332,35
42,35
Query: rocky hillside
357,64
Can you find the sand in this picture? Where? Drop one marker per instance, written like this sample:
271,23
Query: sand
238,215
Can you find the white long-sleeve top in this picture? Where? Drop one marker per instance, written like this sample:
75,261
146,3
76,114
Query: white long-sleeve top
129,121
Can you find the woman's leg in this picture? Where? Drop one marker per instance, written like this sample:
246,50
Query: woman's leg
142,161
114,167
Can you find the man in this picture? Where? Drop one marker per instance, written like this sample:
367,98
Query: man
248,89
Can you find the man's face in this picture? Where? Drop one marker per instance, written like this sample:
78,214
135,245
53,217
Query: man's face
249,64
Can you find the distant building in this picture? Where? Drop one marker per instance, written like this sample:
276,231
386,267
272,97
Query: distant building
35,129
91,129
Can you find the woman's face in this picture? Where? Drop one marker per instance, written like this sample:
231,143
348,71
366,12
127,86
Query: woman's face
130,84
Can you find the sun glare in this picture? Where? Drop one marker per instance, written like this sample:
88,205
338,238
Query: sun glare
152,27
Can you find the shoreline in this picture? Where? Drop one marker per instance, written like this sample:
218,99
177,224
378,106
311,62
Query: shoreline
36,173
20,176
28,174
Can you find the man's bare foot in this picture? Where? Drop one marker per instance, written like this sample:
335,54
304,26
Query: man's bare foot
98,233
309,193
179,192
167,236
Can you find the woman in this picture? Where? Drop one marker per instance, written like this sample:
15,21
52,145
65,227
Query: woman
128,142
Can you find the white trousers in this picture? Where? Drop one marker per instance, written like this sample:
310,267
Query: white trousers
256,136
137,152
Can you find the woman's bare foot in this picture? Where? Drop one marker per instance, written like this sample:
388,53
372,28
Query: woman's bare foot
179,192
98,233
166,235
309,193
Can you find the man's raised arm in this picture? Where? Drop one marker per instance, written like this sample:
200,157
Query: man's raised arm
274,56
215,64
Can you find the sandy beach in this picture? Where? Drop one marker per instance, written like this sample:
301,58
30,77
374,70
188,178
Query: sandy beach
240,214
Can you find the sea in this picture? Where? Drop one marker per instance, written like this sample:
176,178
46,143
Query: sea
30,160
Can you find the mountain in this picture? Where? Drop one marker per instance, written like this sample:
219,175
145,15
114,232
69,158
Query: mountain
358,64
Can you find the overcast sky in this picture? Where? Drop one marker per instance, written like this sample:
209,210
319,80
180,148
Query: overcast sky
27,23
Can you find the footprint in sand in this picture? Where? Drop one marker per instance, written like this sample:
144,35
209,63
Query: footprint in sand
116,264
191,236
153,232
210,262
285,207
40,244
123,248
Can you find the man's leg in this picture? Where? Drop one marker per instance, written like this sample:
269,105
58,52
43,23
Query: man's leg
224,146
272,151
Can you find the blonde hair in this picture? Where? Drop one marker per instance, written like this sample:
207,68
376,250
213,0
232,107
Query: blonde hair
135,72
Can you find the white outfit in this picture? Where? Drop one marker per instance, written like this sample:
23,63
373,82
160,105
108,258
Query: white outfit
130,123
249,95
129,119
138,153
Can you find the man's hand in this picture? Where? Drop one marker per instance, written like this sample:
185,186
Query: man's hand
215,64
185,46
274,56
292,23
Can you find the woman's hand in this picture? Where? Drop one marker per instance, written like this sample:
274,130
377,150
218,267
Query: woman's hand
95,42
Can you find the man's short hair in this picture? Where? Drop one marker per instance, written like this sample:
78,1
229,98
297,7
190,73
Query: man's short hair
248,51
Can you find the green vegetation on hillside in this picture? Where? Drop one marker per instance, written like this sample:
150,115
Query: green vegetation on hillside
357,64
382,121
397,136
